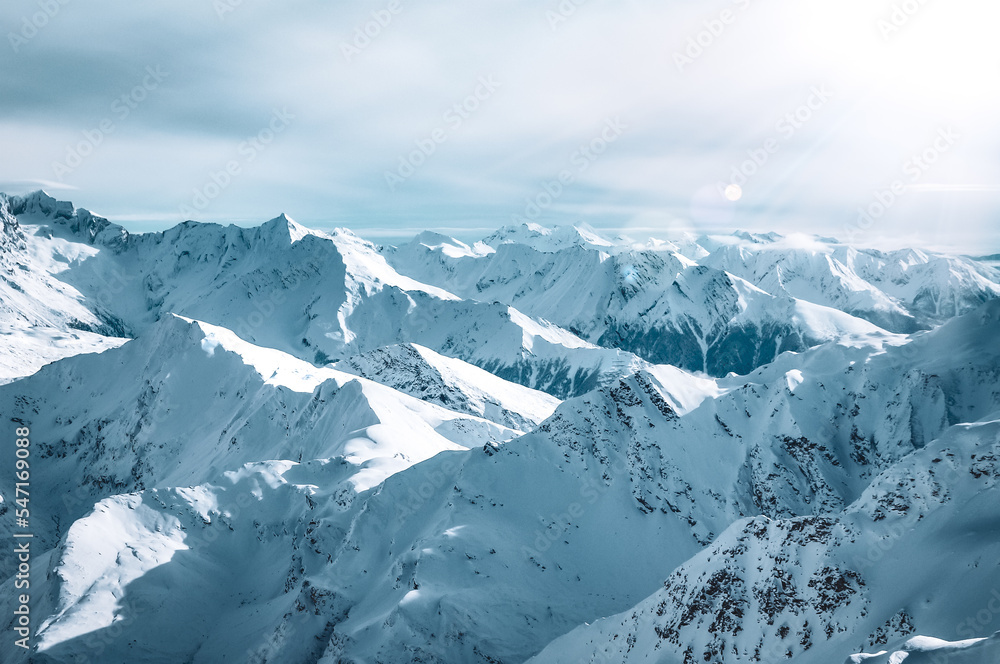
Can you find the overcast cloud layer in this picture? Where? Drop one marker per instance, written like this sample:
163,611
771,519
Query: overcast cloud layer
464,116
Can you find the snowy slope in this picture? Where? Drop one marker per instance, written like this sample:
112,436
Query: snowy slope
43,319
915,554
654,302
188,401
454,384
443,562
390,569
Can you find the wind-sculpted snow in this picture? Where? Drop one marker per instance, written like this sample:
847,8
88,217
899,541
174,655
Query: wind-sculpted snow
547,446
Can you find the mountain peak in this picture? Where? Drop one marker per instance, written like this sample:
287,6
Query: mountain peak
757,238
40,203
542,238
449,246
284,229
38,206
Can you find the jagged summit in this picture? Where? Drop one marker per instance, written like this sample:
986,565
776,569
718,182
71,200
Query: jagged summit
39,207
39,203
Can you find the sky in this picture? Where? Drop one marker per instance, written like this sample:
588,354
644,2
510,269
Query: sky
873,121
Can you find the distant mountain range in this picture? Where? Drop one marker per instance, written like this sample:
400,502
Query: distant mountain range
278,444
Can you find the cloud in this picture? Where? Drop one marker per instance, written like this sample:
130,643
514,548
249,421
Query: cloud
703,87
27,186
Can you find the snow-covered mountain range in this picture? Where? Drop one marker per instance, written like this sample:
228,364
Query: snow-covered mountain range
278,444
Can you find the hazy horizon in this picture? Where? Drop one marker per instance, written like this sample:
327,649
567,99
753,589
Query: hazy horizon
386,117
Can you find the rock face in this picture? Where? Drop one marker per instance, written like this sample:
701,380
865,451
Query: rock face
278,444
